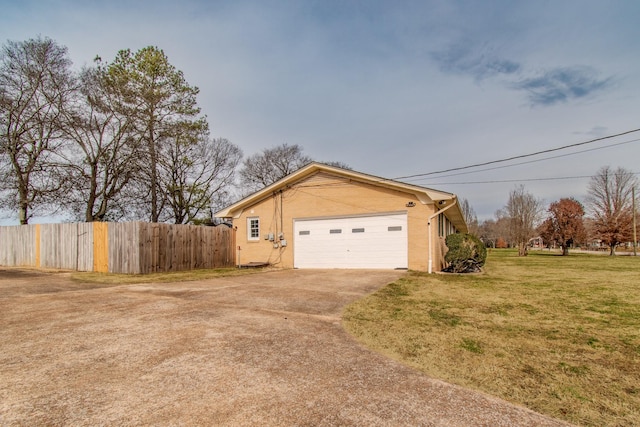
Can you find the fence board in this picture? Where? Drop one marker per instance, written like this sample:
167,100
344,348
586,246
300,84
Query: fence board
18,245
124,246
59,246
132,248
36,241
101,247
85,246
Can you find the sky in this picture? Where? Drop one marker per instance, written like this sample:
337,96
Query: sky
391,88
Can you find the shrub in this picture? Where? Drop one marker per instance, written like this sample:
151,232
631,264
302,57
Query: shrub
466,253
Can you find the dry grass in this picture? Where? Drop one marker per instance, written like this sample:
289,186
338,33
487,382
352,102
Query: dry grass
560,335
166,277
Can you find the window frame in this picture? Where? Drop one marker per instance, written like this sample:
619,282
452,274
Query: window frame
250,229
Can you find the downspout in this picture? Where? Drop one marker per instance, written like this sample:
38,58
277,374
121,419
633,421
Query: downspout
429,232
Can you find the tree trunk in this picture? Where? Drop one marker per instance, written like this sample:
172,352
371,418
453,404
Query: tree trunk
154,175
612,250
88,216
565,250
522,249
23,209
22,214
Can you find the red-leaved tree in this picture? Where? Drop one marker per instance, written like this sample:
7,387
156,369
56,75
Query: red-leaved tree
564,225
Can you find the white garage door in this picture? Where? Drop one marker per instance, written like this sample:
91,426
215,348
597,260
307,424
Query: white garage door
354,242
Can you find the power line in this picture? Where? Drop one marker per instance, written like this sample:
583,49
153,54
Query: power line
520,156
496,181
536,160
519,180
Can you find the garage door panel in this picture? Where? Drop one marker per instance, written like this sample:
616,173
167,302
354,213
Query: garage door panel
351,242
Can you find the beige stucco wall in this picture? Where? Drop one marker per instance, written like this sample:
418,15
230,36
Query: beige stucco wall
324,195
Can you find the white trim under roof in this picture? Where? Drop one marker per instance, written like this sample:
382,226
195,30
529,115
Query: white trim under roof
425,195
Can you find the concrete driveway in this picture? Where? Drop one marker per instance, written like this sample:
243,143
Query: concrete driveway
264,349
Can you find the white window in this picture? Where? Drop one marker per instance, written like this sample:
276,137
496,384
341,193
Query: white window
253,228
445,226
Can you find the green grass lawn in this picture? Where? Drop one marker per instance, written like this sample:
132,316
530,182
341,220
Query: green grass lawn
560,335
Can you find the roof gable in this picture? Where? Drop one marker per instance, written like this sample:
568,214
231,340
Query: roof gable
315,171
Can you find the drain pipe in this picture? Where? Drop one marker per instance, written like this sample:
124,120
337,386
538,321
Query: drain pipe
429,232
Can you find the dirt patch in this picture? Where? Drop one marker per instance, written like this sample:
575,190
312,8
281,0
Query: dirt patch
263,349
17,281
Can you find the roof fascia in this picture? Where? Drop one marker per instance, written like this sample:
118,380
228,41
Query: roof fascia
230,211
426,196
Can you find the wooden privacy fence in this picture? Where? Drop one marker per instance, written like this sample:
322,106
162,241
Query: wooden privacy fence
131,247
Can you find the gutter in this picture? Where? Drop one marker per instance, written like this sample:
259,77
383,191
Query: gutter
455,200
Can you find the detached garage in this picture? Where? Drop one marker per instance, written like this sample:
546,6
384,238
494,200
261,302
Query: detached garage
326,217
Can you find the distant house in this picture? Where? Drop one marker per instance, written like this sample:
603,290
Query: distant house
536,242
326,217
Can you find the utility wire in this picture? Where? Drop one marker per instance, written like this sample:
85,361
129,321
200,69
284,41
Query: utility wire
496,181
520,156
535,161
520,180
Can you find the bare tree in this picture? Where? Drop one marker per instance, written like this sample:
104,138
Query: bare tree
470,216
502,229
262,169
35,85
196,172
338,164
523,212
610,201
106,155
487,232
